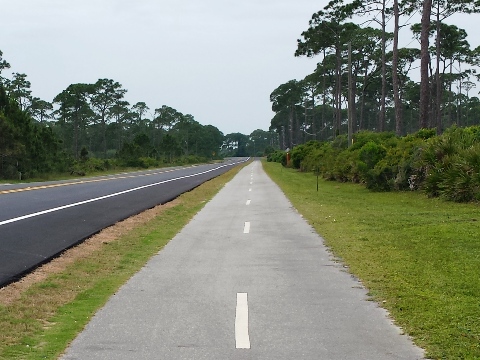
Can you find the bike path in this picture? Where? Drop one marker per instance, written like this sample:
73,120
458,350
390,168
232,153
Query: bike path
247,278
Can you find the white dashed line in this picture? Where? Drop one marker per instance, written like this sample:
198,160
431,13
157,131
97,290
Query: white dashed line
242,339
246,228
248,202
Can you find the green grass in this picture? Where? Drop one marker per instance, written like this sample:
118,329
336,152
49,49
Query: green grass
49,315
419,257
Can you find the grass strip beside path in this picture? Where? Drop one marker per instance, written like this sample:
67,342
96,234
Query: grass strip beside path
418,257
43,321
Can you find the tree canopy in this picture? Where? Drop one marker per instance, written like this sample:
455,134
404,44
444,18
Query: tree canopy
363,79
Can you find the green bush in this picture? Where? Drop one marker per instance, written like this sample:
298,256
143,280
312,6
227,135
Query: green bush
446,165
363,137
278,156
318,160
450,163
371,153
300,152
147,162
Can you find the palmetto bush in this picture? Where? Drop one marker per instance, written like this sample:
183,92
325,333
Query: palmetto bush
447,165
461,180
451,165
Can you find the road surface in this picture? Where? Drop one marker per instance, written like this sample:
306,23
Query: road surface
39,221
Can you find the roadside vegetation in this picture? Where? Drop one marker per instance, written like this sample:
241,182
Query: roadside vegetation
446,166
39,321
419,257
90,127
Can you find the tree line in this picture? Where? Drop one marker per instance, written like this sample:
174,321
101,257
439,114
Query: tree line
91,126
365,81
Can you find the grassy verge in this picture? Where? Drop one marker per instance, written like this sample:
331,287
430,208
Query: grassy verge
419,257
41,323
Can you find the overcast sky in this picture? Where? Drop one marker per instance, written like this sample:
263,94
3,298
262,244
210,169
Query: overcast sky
218,60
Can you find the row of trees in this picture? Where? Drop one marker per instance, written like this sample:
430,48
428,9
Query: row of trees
95,121
364,81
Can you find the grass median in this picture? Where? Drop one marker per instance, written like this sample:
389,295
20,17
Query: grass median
41,320
419,257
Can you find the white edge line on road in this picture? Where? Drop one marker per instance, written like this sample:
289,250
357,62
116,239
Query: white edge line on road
242,339
9,221
246,228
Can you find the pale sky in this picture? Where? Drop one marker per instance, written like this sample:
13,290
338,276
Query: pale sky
218,60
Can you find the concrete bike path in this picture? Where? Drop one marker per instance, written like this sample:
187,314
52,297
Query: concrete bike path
247,278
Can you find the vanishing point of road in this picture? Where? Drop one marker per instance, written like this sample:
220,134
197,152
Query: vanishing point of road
247,278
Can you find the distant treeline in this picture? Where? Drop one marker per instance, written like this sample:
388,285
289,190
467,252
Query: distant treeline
91,127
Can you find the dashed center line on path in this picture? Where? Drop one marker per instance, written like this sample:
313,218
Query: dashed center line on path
242,339
246,228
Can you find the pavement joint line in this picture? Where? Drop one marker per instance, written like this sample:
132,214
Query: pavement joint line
246,228
242,339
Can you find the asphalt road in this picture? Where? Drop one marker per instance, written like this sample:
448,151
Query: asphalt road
38,221
247,278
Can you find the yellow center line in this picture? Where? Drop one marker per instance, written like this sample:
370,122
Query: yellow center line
39,187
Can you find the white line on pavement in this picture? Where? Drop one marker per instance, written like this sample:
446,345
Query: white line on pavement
248,202
242,339
246,228
107,196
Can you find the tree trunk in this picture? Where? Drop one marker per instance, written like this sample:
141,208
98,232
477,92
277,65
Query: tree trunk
438,110
354,101
314,125
338,92
450,98
324,90
362,103
349,92
424,62
75,134
104,134
459,106
290,127
396,88
381,120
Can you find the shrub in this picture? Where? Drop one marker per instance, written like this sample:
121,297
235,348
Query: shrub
446,165
278,156
146,162
363,137
300,152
